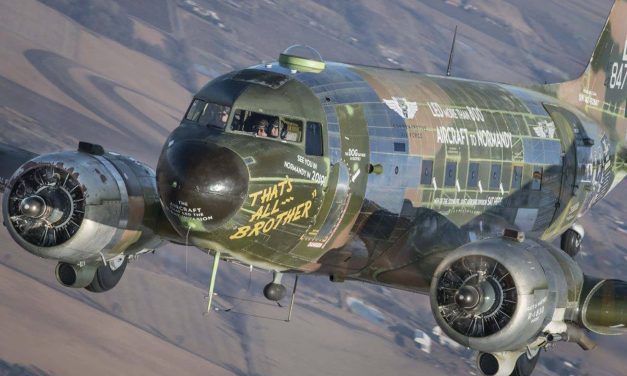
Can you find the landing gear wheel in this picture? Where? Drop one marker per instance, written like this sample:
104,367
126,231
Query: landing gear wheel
525,366
274,291
107,278
571,242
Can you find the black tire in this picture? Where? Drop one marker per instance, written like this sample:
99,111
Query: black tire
571,242
274,291
105,278
525,366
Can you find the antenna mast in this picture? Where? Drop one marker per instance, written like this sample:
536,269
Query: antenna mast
450,56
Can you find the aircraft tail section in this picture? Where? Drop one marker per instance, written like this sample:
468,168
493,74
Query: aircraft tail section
601,91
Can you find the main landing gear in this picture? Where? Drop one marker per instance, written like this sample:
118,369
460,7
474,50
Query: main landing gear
273,291
571,240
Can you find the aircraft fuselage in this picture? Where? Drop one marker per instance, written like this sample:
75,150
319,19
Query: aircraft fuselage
376,174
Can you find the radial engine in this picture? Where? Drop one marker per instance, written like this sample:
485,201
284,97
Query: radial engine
510,297
87,209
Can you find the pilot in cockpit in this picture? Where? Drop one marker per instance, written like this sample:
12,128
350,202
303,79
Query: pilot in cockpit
261,128
273,130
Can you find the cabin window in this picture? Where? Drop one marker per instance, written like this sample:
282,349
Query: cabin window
517,177
208,114
451,174
399,147
473,175
427,172
495,176
313,140
270,126
536,182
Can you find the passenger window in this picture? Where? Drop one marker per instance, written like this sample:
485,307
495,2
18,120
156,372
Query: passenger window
427,172
517,177
473,175
313,139
495,176
208,114
536,183
451,174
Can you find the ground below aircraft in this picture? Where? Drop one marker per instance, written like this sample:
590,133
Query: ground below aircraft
447,187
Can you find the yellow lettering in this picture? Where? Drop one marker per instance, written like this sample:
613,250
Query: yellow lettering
297,212
306,209
254,197
268,226
289,216
289,184
275,209
241,232
257,227
269,194
269,216
282,186
258,214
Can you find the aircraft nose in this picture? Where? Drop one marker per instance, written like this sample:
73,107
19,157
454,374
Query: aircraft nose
201,184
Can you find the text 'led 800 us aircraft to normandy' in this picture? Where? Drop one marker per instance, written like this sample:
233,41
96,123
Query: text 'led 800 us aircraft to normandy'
438,185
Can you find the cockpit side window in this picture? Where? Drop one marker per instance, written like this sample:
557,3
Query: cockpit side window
313,139
270,126
291,130
208,114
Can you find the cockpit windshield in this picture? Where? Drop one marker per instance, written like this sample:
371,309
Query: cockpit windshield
208,114
271,126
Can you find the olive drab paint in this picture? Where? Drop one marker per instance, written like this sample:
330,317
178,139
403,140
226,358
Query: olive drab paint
464,159
376,174
379,175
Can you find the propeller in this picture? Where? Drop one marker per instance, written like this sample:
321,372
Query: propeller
476,296
46,206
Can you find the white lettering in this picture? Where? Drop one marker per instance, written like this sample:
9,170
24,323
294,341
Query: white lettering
618,76
466,113
310,175
483,138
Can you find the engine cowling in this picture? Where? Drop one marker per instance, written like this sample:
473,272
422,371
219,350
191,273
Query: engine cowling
81,208
500,294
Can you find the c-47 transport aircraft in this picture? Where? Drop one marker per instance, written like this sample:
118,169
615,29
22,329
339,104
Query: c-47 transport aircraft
447,187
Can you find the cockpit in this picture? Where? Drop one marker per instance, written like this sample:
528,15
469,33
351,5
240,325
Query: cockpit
208,114
282,128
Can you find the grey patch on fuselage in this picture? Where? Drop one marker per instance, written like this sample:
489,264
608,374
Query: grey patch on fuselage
525,218
542,151
270,79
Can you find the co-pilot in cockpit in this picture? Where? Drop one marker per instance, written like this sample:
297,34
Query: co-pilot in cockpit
271,126
279,127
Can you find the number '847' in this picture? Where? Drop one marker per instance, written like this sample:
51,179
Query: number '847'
618,76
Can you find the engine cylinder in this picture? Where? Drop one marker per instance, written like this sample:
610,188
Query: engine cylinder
500,294
80,207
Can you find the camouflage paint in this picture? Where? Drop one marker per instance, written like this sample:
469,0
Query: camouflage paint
415,165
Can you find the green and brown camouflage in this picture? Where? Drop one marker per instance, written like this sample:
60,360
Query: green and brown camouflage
600,91
364,173
407,159
400,168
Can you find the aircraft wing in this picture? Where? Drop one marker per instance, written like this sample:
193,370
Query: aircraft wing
11,158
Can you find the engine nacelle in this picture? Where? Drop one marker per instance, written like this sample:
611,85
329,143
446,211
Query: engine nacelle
82,207
500,295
